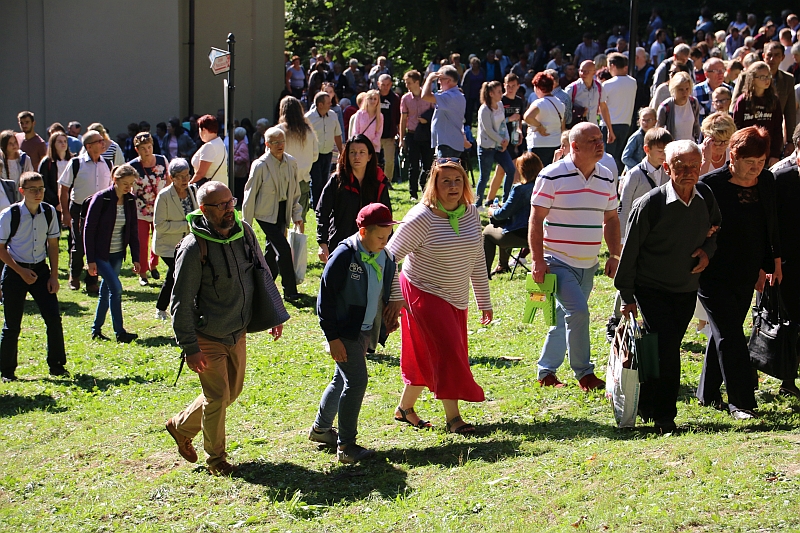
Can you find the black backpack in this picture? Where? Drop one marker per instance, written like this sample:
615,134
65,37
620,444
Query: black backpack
16,215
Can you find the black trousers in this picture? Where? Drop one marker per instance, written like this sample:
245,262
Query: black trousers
320,173
169,281
668,314
727,357
494,238
277,252
418,152
76,251
14,292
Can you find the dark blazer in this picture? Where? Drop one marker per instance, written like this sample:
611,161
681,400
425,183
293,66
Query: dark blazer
100,225
49,171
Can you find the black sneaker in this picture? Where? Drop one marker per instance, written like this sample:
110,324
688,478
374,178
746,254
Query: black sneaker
59,371
611,328
99,337
155,274
292,297
126,337
353,453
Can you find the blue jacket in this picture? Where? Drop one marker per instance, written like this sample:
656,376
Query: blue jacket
633,153
517,208
342,299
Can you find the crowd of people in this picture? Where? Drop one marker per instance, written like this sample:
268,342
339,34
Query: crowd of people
683,158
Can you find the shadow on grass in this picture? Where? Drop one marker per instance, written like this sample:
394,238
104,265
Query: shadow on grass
693,347
303,302
66,307
14,404
492,361
145,295
559,428
158,340
90,383
342,484
388,360
458,453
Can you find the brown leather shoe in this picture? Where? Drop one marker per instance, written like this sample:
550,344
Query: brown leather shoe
94,290
550,380
222,468
591,382
185,447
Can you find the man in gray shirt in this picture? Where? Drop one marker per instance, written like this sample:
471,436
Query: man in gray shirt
670,239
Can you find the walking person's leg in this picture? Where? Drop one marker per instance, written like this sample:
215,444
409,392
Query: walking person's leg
14,292
49,309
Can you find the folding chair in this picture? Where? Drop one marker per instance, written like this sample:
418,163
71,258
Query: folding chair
517,262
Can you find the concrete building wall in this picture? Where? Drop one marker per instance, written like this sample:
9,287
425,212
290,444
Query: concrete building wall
120,62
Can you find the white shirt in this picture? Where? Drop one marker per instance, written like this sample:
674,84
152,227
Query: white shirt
684,122
326,127
29,244
657,53
91,177
672,195
215,153
619,94
551,110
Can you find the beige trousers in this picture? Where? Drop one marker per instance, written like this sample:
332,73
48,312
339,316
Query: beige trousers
388,147
222,383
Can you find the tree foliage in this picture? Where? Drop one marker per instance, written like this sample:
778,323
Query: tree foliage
413,32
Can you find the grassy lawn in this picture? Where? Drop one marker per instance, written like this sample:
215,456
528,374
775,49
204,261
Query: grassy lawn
90,453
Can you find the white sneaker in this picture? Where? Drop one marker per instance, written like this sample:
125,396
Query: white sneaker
161,315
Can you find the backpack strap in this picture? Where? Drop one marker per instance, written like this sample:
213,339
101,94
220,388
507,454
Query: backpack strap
15,217
643,168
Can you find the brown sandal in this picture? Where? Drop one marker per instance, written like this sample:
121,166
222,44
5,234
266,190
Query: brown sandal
464,429
422,424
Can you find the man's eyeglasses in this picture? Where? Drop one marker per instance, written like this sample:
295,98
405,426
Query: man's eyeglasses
443,160
224,205
34,190
715,71
94,142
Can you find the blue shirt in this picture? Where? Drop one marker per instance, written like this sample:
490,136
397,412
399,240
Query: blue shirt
29,244
374,287
448,117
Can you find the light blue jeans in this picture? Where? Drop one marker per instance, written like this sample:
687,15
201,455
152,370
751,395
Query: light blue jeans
345,392
487,157
570,335
110,293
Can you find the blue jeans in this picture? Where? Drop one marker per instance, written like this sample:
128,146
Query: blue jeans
486,157
110,293
446,151
571,332
345,392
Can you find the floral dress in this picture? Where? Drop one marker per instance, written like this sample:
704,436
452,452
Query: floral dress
149,183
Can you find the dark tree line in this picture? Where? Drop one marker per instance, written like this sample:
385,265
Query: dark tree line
413,32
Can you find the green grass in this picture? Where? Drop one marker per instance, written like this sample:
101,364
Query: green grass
90,453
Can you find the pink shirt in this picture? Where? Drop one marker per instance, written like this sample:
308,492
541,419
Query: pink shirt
370,127
414,106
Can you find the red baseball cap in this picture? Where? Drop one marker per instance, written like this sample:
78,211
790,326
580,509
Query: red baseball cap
375,214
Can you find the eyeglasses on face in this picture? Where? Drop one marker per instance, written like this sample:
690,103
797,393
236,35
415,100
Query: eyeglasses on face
222,206
764,78
34,190
94,142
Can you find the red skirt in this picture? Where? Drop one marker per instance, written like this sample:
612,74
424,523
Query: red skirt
434,350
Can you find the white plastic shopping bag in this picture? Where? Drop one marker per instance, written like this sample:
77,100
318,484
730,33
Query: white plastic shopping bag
298,242
622,378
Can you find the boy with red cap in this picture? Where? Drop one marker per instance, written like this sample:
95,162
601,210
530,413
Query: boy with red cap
355,286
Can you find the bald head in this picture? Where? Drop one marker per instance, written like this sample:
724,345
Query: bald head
210,191
581,131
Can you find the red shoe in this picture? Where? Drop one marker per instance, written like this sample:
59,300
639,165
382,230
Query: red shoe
591,382
550,380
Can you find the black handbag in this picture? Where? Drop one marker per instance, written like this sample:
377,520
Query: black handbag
773,342
268,308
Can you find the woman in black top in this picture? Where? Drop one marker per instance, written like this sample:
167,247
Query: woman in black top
747,249
358,181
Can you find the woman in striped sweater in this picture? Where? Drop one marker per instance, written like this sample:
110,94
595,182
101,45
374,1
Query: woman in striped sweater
441,246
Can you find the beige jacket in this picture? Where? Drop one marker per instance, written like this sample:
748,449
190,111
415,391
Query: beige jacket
169,221
261,191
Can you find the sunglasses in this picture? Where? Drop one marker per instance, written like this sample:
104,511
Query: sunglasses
443,160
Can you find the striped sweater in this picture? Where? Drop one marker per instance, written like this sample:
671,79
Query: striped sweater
573,229
440,262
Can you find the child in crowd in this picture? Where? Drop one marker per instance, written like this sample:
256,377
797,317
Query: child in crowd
633,153
355,286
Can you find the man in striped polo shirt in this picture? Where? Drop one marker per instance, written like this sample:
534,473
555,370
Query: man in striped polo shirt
574,206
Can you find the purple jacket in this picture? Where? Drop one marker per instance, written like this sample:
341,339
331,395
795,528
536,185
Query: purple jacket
100,225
